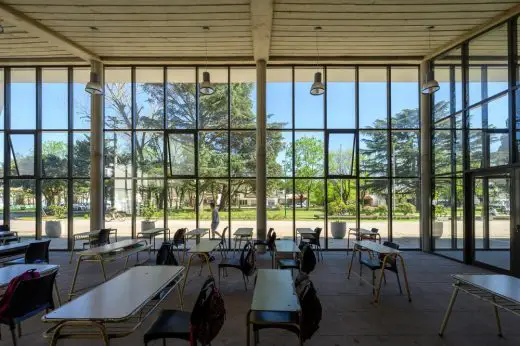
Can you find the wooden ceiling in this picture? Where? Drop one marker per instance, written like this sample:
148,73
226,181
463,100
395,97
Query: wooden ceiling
147,29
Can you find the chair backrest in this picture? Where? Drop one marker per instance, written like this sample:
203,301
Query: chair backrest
271,230
226,229
374,230
391,260
103,236
311,309
165,255
308,262
179,235
37,252
4,228
271,244
317,232
208,314
392,245
32,296
248,259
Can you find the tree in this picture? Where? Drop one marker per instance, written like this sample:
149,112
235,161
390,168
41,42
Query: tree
308,161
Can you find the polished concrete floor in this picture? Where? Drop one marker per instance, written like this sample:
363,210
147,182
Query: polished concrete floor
349,318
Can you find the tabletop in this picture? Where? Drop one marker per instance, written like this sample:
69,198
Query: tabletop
112,247
7,233
504,286
89,233
205,245
305,231
153,231
376,247
118,298
244,231
7,273
286,246
362,231
274,291
198,231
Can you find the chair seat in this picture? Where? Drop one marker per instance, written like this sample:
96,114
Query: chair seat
274,319
22,261
173,324
373,263
229,263
288,263
261,242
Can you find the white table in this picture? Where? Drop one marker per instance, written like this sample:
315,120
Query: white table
117,307
285,246
10,272
241,233
501,291
7,236
274,291
109,253
361,234
196,233
90,236
202,249
154,232
388,252
303,231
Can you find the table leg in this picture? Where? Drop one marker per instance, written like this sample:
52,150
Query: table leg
180,299
497,316
206,258
187,272
448,311
248,333
405,278
378,289
351,262
72,250
235,247
75,277
57,292
126,262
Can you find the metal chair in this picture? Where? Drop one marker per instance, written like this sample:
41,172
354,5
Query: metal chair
314,240
102,238
305,265
240,264
375,263
36,253
265,242
180,239
29,298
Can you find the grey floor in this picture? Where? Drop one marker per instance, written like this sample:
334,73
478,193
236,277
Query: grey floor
349,318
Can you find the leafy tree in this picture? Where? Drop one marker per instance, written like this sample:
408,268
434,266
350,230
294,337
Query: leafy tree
308,160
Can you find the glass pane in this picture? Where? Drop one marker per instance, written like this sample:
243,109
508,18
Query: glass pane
149,153
118,154
310,204
22,155
181,98
243,204
243,98
309,154
448,72
118,98
341,98
149,202
405,151
498,149
279,98
55,154
23,98
406,195
373,153
55,211
488,54
444,237
181,153
476,154
55,113
2,162
149,98
81,99
373,199
279,154
490,115
2,102
441,148
342,210
81,208
342,154
372,98
81,154
216,191
308,108
405,97
243,153
280,206
118,206
213,109
181,204
2,190
23,208
213,154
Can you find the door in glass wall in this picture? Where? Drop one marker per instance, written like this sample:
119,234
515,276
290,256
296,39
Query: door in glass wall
491,220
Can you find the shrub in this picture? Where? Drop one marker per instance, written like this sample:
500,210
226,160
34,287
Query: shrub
382,210
368,210
59,211
441,210
406,208
337,207
351,208
148,212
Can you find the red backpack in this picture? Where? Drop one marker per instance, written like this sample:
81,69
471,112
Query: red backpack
6,298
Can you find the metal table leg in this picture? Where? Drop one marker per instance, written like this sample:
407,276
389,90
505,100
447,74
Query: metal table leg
448,311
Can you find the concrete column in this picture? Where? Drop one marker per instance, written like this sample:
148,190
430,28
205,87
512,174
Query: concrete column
261,220
426,167
96,153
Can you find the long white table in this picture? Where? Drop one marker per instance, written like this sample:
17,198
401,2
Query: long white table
117,307
501,291
388,252
274,291
109,253
154,232
202,249
10,272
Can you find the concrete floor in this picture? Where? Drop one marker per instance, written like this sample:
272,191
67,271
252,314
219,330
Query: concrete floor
348,316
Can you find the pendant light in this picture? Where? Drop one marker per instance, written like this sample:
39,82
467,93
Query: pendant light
317,87
94,87
430,85
206,88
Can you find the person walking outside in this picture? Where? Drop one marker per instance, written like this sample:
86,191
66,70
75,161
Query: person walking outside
215,220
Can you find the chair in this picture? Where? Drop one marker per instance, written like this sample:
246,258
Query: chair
372,237
265,242
222,238
374,263
29,298
314,240
174,324
241,264
102,238
180,239
36,253
305,265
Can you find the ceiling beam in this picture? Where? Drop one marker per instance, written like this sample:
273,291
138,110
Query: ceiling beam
261,24
24,22
513,11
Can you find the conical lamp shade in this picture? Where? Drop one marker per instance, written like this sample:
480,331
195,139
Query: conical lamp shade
317,87
205,87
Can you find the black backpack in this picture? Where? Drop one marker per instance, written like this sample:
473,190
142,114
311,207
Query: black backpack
165,255
248,259
208,315
311,308
308,259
